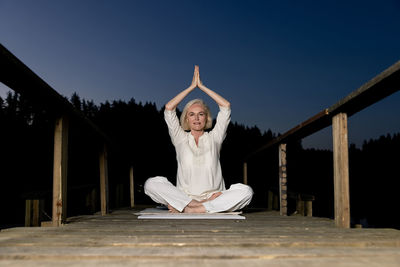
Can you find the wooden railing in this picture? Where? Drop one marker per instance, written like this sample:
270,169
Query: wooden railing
383,85
18,77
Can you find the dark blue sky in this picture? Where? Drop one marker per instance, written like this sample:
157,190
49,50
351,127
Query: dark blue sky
278,62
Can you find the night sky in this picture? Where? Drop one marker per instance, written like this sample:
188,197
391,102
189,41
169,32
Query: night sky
277,62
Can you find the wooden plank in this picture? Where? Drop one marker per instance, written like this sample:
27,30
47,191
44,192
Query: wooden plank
263,239
341,170
104,198
282,180
132,187
60,168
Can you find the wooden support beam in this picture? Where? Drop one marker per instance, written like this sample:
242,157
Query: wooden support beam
245,173
33,209
300,206
132,187
36,212
282,180
308,208
104,200
341,170
60,168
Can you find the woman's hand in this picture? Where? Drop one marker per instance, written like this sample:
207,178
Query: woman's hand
198,80
195,80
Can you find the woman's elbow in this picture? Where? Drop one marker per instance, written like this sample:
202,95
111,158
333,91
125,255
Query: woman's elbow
169,107
226,104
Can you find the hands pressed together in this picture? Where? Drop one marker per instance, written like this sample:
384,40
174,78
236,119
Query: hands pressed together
196,82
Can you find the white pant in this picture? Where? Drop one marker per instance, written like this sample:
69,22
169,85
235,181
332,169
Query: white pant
164,192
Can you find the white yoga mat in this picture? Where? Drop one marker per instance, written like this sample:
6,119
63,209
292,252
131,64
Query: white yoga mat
153,213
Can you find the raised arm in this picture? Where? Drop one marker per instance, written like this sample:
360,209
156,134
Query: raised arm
174,102
222,102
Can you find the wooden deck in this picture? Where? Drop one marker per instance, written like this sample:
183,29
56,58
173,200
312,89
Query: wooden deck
264,238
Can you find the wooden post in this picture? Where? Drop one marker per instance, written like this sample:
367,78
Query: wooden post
341,170
32,212
300,206
308,207
282,180
245,173
132,187
60,167
104,203
36,213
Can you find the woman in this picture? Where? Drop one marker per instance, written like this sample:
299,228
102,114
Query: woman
200,185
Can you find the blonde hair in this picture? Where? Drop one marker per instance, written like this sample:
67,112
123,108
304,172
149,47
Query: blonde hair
183,119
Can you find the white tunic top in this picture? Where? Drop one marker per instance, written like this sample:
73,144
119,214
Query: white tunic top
199,169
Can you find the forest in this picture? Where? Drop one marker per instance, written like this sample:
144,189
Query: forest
140,138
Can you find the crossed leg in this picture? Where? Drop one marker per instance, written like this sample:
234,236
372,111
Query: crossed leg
195,206
162,191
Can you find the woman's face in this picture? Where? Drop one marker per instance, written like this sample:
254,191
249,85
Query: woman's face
196,117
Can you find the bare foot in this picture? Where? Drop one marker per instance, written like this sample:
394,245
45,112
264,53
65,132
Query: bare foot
194,203
214,196
172,209
198,209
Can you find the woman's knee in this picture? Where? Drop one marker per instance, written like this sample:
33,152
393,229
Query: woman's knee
152,183
247,190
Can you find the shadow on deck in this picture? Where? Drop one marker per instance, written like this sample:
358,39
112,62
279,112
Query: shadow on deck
263,238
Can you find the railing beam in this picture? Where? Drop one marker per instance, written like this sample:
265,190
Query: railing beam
341,170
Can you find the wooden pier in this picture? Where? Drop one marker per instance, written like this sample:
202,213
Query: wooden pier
264,239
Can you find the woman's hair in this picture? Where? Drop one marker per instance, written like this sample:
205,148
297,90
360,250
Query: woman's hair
183,118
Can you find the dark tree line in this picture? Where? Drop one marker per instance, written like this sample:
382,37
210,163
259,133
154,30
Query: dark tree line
141,139
375,181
